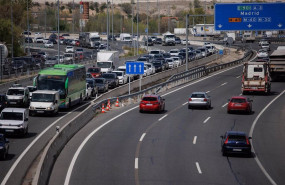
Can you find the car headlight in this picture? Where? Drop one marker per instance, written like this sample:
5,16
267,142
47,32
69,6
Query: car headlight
1,147
49,108
20,125
32,108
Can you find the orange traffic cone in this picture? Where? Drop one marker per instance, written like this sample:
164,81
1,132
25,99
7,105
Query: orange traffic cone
109,104
103,109
117,103
107,108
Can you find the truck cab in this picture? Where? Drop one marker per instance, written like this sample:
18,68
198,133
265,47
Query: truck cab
168,39
256,77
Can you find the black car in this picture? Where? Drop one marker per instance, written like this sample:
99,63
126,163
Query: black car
31,63
112,38
143,59
158,41
235,142
158,65
91,82
112,79
166,55
149,42
157,56
53,41
53,36
19,65
102,84
28,40
4,146
177,40
3,101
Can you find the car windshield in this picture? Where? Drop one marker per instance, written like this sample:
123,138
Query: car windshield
173,51
198,96
51,82
118,73
11,116
15,92
93,70
99,81
32,89
154,52
104,64
238,100
237,137
108,76
90,82
39,97
149,99
142,59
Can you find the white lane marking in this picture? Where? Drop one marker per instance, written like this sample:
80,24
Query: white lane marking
225,104
201,80
194,140
185,103
15,164
141,139
224,84
162,117
238,76
208,91
240,94
198,168
70,168
136,163
251,132
207,120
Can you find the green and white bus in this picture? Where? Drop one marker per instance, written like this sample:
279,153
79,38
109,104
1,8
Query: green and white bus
69,80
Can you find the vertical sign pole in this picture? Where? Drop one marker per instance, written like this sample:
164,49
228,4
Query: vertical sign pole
187,42
129,84
1,55
140,83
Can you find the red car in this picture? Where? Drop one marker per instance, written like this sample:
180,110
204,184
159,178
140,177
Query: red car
153,103
240,103
95,71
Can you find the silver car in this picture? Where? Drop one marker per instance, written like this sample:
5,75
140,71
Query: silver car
199,99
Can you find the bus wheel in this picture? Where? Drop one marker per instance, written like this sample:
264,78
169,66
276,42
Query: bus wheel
69,104
80,99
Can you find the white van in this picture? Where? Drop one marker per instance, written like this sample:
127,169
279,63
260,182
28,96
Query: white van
125,37
14,121
44,102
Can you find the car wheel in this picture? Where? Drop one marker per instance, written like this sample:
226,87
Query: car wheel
31,113
229,112
189,107
141,111
224,153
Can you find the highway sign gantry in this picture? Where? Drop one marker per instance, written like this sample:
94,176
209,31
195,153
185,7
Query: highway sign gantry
249,16
135,68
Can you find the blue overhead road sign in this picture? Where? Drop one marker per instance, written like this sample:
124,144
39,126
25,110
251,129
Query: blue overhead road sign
249,16
135,68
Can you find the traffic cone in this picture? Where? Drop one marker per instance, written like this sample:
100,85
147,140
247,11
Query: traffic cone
107,108
117,103
103,109
109,105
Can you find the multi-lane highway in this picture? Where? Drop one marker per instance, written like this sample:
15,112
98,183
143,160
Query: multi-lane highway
179,146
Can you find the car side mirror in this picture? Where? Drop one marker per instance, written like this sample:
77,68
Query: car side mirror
55,101
7,141
222,137
26,119
249,137
163,99
229,100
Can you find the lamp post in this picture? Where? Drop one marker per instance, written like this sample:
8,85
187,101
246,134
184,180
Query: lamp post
137,27
158,27
107,25
187,57
112,21
147,26
28,27
12,44
133,43
58,49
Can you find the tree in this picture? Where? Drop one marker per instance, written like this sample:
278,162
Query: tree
197,4
103,7
91,7
62,8
47,3
127,8
96,5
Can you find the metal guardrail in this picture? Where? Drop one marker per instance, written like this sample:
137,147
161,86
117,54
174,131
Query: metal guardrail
59,141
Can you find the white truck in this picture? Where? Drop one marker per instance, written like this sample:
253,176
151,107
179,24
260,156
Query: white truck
106,60
88,39
248,37
205,30
168,39
256,77
277,63
44,102
125,37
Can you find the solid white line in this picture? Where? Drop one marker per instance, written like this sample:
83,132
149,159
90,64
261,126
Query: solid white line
238,76
141,139
136,163
194,140
198,168
201,80
206,119
225,104
208,91
240,94
68,175
224,84
185,103
15,164
251,132
162,117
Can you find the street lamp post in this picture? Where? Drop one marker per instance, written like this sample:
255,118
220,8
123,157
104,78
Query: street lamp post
187,57
73,17
137,27
158,27
133,43
147,26
58,52
12,44
112,21
28,27
107,25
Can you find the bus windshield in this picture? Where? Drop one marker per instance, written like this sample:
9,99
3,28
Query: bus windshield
52,82
104,64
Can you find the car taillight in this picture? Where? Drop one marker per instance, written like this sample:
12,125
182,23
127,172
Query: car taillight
156,103
190,99
247,141
227,140
205,99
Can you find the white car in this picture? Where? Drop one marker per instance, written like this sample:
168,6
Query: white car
49,44
38,34
171,62
147,71
184,42
263,42
211,49
177,61
69,57
265,46
61,58
174,52
262,53
14,120
69,49
151,67
45,41
123,68
123,78
207,44
39,40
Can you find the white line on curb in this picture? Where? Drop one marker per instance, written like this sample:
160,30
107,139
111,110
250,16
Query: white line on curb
136,163
194,140
162,117
224,84
185,103
225,104
208,91
141,139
